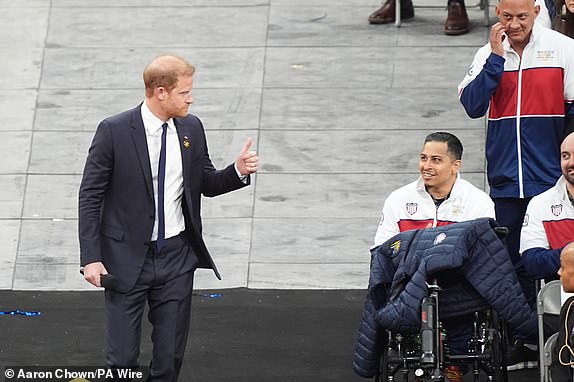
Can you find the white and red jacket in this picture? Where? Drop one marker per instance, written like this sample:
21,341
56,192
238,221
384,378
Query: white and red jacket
548,227
412,207
530,100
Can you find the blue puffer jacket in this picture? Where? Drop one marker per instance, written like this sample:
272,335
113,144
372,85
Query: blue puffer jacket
401,266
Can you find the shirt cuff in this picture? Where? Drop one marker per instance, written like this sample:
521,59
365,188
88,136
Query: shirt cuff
242,178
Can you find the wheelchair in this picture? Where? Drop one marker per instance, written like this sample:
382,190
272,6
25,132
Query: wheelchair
425,355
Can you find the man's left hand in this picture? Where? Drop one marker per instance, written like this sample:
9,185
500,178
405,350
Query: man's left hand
248,162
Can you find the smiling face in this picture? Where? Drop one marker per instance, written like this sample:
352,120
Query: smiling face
438,168
570,5
518,17
567,159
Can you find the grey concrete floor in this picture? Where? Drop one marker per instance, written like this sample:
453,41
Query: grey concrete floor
338,110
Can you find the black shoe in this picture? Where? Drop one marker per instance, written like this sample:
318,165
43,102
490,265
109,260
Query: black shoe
520,357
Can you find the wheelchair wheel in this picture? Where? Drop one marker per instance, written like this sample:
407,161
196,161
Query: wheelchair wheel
399,356
382,374
499,349
493,341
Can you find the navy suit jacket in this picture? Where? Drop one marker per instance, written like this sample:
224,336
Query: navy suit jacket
116,203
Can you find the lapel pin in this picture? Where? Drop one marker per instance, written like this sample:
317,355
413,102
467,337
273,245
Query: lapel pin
186,143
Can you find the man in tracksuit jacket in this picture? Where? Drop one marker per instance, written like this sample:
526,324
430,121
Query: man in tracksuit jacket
525,74
549,228
549,222
414,206
438,197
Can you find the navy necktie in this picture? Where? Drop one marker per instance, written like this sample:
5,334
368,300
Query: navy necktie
161,190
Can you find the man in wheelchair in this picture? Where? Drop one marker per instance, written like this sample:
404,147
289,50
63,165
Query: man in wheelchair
400,300
438,198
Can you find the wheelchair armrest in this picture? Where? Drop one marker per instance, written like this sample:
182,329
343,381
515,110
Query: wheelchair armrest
501,232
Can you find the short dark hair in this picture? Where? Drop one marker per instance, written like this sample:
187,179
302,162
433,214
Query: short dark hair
453,144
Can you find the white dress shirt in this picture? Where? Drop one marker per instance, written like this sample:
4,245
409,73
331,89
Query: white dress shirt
173,189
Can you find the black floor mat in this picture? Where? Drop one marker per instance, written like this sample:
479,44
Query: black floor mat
237,334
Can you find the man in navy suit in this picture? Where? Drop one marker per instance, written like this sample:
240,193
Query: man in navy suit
139,216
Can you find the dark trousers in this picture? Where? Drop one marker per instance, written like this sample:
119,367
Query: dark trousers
510,213
166,283
459,332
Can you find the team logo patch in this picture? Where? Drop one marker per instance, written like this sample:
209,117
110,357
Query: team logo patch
457,210
545,55
439,238
412,208
395,246
556,209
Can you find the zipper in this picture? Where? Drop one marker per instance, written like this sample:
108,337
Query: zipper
434,223
518,113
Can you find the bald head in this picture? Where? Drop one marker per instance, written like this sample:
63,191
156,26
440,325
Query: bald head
567,253
533,2
566,271
530,4
165,71
568,142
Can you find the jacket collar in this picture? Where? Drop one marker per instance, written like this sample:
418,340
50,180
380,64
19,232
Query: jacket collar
455,187
153,124
561,189
140,144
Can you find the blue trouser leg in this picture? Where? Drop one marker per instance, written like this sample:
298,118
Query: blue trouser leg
510,213
166,282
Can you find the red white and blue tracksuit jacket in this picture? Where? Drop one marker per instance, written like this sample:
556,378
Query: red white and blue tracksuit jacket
548,227
411,207
531,101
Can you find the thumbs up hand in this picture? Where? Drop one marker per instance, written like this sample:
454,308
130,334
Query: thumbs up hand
248,161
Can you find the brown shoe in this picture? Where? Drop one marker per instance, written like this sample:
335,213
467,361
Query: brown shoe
457,19
386,13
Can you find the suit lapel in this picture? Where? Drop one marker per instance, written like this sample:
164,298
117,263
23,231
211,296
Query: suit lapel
185,146
183,135
140,144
